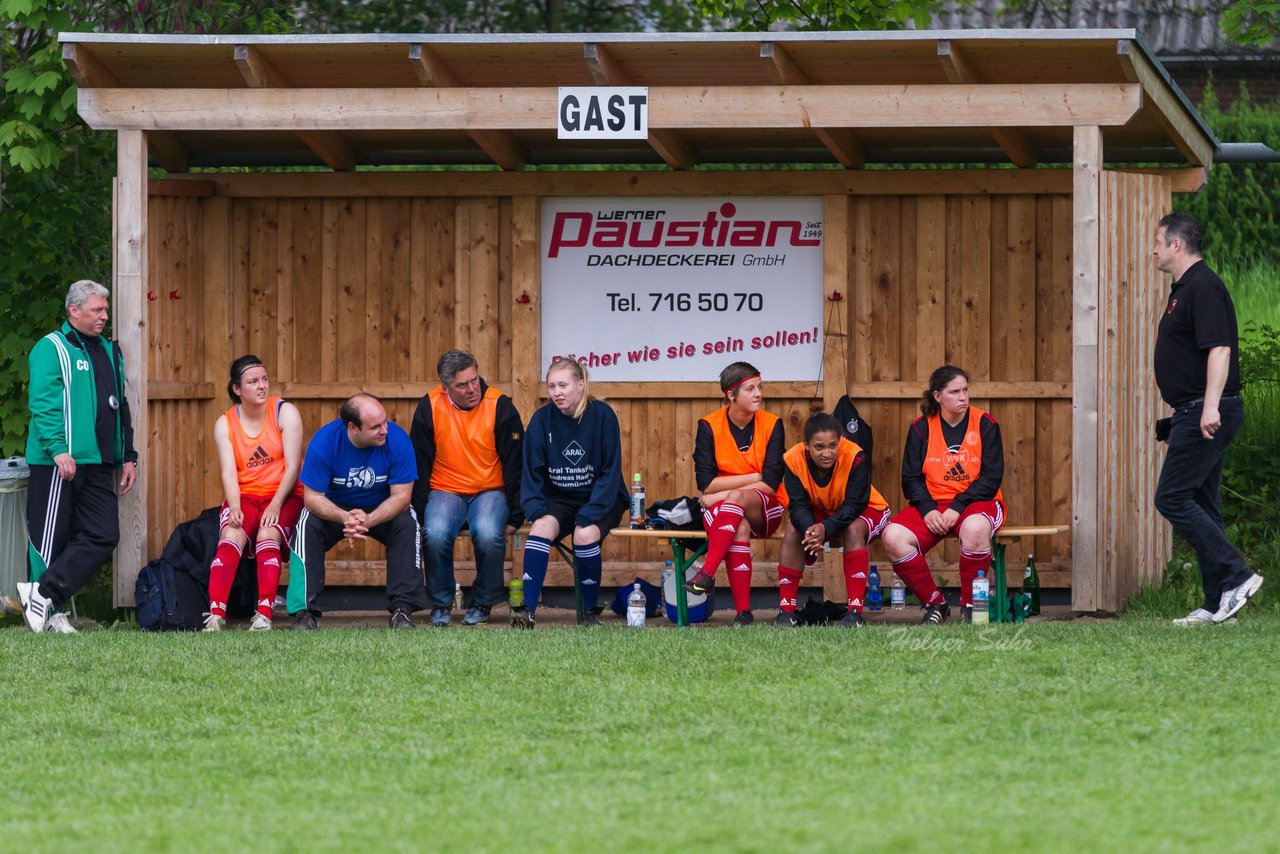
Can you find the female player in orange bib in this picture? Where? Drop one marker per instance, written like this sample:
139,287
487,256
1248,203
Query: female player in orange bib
828,493
737,461
259,443
952,467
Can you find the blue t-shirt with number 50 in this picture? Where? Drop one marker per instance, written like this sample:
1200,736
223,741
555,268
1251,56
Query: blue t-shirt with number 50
357,477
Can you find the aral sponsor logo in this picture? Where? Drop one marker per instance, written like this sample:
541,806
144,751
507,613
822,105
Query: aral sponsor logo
574,453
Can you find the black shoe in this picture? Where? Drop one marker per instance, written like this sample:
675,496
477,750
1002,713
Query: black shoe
590,619
852,619
936,614
521,618
304,622
440,615
966,614
401,619
784,620
476,615
700,584
744,618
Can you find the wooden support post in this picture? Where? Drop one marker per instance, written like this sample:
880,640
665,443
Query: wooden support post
1087,552
526,315
129,306
835,345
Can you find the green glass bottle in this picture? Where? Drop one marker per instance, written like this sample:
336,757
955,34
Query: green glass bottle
1031,584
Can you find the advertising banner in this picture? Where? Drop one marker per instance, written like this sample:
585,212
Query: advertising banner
669,290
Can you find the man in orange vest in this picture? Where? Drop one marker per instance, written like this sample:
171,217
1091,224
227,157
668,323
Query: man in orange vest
467,438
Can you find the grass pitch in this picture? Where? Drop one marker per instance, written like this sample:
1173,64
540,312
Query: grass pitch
1129,734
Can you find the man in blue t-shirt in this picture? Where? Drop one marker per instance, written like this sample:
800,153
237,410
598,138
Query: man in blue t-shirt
357,481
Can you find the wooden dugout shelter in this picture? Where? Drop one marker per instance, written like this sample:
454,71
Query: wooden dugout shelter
1036,277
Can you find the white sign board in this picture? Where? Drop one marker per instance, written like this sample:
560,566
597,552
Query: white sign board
603,112
675,289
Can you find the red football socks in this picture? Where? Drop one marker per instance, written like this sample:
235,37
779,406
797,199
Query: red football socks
914,572
721,523
788,587
970,563
267,553
856,564
738,563
221,573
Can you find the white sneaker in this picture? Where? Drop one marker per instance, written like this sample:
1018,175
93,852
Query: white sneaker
58,623
1198,617
260,623
213,623
36,608
1235,598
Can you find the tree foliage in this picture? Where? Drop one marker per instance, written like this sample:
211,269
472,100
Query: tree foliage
763,15
498,16
1252,22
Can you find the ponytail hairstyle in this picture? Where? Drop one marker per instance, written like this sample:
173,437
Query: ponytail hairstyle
238,367
939,380
821,422
735,375
579,372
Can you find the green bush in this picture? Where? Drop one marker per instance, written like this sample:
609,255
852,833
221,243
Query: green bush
1239,204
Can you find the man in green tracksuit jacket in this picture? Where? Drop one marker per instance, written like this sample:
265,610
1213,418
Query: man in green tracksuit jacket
80,432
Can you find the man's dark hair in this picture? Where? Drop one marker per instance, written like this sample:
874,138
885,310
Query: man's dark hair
350,411
453,363
1186,228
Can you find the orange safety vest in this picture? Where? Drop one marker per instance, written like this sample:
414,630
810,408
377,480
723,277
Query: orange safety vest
259,459
467,460
730,460
948,473
827,499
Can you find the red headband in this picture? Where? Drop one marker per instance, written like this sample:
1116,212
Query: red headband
740,382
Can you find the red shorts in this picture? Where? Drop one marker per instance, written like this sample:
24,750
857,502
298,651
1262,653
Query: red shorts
911,519
875,521
772,515
253,507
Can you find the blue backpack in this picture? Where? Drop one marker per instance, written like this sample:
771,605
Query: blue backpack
168,599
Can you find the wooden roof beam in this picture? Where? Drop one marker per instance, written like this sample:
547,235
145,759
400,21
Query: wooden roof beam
1015,142
164,148
258,73
500,147
1194,144
670,107
605,70
843,143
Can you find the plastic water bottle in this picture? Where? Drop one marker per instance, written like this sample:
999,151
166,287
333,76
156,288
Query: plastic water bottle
875,598
636,608
981,598
668,575
457,597
898,595
637,501
516,596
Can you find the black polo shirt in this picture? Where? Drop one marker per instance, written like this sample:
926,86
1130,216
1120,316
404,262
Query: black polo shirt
1198,317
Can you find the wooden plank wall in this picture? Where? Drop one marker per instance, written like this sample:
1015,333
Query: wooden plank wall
982,282
1138,541
338,293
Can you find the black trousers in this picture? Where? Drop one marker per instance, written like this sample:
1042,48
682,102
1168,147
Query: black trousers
406,587
1189,495
72,526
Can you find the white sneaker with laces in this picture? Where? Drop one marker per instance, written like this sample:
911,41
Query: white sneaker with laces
59,624
36,608
1236,598
260,623
1198,617
213,623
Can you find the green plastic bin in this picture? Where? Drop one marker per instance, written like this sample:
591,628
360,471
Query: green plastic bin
13,531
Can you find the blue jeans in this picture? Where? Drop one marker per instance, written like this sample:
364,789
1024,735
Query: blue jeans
1188,495
485,515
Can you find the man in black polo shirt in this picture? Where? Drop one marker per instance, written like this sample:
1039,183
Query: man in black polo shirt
1198,371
